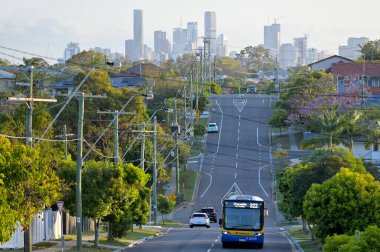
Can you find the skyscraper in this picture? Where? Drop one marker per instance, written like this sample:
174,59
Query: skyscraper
138,34
129,49
301,45
222,46
192,33
162,48
288,55
71,49
179,40
272,38
210,29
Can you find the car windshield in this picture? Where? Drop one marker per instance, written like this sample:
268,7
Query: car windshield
212,125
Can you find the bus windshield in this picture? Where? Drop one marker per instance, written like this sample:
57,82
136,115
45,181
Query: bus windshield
242,218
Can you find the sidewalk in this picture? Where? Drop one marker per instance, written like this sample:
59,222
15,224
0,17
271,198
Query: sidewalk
88,241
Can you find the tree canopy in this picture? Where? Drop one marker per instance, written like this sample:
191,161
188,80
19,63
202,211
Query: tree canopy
347,202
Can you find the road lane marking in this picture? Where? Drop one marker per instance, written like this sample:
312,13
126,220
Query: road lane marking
263,100
221,125
237,147
209,250
235,175
260,179
208,184
235,187
236,165
238,138
238,131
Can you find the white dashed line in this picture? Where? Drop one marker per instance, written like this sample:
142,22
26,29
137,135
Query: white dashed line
238,138
237,147
208,250
238,131
236,165
235,175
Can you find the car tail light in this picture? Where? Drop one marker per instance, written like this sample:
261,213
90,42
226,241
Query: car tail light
205,217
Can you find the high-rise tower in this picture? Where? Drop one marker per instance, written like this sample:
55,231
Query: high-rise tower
210,29
138,34
272,38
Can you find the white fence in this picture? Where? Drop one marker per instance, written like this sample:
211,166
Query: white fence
46,225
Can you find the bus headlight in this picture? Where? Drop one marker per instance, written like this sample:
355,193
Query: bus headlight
258,234
225,233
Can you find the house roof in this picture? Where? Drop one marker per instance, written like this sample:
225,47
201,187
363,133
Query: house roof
143,70
328,58
369,69
6,75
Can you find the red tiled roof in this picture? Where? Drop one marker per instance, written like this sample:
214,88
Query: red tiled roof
369,69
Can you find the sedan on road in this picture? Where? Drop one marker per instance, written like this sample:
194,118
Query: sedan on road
199,219
212,127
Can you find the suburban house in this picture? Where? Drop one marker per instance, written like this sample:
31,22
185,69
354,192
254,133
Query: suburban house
63,87
136,75
6,79
326,63
357,75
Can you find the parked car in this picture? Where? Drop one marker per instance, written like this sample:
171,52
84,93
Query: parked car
199,219
211,213
251,89
212,127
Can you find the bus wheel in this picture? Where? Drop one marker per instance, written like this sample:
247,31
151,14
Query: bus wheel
260,245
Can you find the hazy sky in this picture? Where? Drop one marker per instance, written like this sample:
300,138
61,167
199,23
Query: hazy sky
45,26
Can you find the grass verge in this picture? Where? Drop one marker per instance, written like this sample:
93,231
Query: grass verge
188,179
303,240
169,224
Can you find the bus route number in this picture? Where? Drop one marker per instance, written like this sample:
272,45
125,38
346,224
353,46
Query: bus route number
253,205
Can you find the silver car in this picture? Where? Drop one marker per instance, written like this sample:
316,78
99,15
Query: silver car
199,219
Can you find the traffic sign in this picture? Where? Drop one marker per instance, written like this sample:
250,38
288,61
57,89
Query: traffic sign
60,206
172,196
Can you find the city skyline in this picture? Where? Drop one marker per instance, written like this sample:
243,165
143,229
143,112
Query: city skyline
49,26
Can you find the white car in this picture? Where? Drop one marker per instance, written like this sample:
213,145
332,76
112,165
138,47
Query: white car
212,127
199,219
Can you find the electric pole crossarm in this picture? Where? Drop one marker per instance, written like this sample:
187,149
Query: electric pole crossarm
109,125
116,114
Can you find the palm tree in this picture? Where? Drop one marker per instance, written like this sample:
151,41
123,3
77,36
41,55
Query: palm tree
335,128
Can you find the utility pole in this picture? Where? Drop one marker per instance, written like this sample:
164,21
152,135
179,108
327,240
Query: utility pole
191,92
116,114
214,68
78,193
142,152
64,137
184,108
155,170
176,145
29,136
29,113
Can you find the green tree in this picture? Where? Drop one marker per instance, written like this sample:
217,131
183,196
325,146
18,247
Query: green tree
30,181
278,119
130,195
165,205
8,216
256,58
4,62
294,182
371,50
35,62
231,67
347,202
216,89
199,130
369,240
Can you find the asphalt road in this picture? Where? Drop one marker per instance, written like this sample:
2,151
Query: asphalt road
238,158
